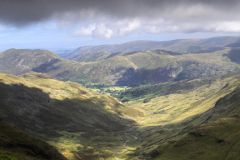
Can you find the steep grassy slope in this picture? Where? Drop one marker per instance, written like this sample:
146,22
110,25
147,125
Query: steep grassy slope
182,46
216,139
76,120
174,109
17,145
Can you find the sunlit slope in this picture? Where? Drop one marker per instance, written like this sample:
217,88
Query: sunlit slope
74,119
176,101
17,145
173,109
216,139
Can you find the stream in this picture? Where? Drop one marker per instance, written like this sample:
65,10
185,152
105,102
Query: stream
125,144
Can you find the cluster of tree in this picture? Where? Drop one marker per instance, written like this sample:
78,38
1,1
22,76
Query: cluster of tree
147,92
98,86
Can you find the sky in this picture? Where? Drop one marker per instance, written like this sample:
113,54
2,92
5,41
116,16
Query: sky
66,24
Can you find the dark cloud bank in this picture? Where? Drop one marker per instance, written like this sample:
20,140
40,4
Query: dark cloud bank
118,18
24,12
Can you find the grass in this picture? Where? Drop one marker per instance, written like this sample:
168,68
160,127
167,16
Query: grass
175,111
17,145
216,139
83,124
65,114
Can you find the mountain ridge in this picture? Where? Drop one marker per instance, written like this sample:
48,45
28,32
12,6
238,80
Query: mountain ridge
178,45
125,68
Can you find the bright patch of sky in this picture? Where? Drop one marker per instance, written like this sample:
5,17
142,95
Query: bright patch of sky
50,35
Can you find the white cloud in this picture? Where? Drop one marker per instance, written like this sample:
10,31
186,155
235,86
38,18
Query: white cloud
4,28
109,29
101,31
228,27
85,31
113,28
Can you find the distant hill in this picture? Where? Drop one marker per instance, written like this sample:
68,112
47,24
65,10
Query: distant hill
125,47
63,53
124,68
237,44
181,45
92,56
20,61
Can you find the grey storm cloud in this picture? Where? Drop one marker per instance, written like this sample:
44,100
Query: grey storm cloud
24,12
102,17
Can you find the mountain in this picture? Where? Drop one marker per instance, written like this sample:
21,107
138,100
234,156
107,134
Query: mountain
181,46
20,61
64,113
92,56
17,145
237,44
145,67
125,47
62,52
125,68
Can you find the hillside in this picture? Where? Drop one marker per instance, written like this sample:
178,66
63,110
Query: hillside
20,61
218,138
86,125
92,56
125,47
181,45
17,145
174,109
125,68
76,120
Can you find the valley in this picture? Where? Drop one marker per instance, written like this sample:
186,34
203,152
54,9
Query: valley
119,80
175,109
131,104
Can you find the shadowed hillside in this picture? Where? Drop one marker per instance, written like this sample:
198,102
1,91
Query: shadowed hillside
17,145
64,113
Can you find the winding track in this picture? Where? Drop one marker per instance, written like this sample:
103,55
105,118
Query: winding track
125,144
